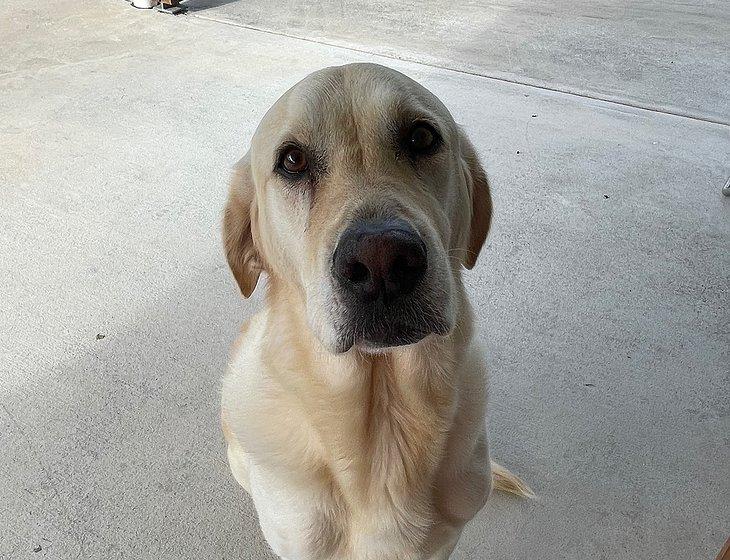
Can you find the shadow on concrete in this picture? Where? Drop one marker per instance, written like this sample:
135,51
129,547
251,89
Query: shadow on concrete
195,6
118,452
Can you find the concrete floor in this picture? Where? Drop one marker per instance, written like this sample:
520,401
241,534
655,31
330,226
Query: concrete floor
665,55
602,296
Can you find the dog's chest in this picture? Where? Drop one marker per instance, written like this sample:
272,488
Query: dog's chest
349,475
383,463
376,507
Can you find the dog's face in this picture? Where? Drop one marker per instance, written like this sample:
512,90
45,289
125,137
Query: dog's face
362,198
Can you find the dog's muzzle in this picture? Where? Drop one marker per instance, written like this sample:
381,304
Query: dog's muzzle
380,267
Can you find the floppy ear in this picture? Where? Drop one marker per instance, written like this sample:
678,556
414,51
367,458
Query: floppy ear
481,201
238,241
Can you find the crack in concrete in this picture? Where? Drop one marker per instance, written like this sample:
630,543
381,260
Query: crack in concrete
522,81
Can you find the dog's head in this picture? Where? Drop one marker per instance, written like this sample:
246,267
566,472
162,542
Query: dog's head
362,198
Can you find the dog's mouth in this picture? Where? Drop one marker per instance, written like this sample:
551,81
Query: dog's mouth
378,328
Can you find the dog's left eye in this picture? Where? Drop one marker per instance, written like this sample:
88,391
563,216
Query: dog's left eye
422,139
294,161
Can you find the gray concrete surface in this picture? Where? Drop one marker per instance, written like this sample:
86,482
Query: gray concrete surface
602,297
668,55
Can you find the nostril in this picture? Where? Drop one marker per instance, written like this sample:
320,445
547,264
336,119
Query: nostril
358,272
401,266
407,267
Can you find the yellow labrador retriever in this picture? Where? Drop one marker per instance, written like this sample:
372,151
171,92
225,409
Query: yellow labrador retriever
354,402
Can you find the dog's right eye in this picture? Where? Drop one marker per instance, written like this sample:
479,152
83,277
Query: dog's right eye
293,161
422,139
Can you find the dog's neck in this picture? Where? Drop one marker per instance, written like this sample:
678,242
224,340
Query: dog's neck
381,419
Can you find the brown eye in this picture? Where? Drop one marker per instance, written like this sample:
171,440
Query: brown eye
422,139
294,161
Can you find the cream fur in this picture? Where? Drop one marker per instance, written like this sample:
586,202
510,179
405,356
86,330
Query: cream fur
356,455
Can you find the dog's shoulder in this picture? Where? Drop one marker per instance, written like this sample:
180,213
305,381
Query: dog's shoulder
250,338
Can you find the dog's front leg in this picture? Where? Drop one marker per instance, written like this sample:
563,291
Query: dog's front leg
445,550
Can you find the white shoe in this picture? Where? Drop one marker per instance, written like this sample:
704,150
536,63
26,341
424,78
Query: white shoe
145,4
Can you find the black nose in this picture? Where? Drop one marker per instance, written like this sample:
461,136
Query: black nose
380,259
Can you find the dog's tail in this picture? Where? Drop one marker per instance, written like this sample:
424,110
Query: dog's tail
504,481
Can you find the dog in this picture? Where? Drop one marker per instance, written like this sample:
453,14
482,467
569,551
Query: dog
354,402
